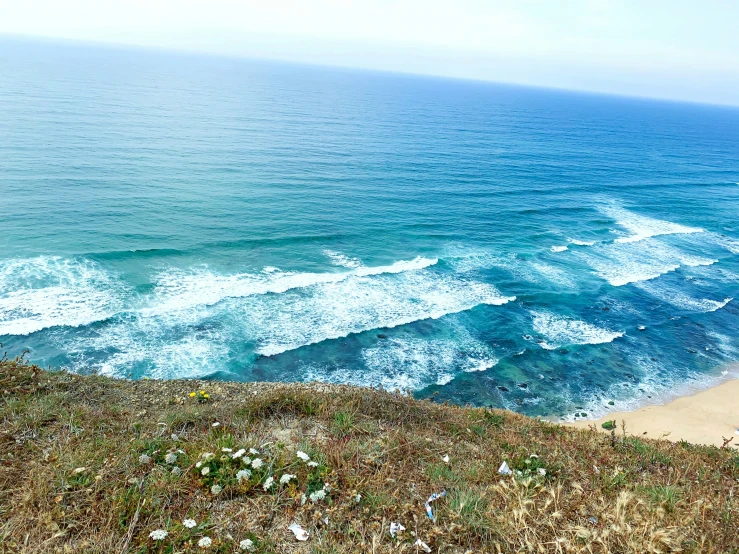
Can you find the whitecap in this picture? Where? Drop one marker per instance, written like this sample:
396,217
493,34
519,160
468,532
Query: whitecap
559,331
49,291
342,260
581,242
558,248
643,227
681,300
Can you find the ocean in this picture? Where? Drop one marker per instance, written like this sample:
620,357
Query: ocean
172,215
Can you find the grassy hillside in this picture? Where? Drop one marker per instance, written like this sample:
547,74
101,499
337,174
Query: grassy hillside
90,464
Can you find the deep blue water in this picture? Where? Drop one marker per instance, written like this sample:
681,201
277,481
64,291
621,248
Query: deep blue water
172,215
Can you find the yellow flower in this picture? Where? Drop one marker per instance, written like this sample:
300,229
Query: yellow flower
192,394
206,395
202,392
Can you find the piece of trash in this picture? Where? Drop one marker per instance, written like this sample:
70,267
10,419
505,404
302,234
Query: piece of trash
504,469
435,496
593,520
300,533
396,528
445,459
422,545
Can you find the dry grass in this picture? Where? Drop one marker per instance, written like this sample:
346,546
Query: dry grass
71,479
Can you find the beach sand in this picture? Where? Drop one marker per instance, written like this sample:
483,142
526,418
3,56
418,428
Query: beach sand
702,418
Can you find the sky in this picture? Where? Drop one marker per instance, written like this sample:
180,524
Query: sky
678,49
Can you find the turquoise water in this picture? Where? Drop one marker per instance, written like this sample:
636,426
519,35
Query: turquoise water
172,215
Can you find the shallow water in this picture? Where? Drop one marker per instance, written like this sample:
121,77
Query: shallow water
172,215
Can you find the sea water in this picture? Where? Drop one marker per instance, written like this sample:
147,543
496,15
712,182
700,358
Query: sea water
170,215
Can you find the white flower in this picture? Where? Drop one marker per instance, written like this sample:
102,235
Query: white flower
190,523
158,534
176,471
205,471
207,456
268,483
226,449
170,458
256,463
144,459
205,542
243,475
312,464
238,453
216,489
253,451
303,499
303,456
198,465
318,495
358,498
174,437
215,424
285,479
247,460
247,544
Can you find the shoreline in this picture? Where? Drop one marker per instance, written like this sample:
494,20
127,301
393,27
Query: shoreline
702,417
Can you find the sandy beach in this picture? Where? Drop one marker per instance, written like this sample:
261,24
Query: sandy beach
702,418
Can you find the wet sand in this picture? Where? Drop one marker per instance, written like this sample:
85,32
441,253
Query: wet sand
702,418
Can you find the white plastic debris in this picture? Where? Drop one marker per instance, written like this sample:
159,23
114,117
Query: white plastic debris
300,533
396,528
504,469
435,496
422,545
445,459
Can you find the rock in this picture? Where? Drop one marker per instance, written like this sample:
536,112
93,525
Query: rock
692,351
523,385
381,336
501,388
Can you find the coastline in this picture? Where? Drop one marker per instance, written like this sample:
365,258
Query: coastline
704,417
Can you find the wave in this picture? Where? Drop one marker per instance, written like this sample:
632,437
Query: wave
410,364
558,248
181,289
624,263
581,242
560,331
643,227
682,300
342,260
47,291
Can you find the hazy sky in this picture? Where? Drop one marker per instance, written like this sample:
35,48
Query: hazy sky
677,49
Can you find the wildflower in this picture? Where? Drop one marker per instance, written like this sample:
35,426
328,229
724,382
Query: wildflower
247,544
268,483
174,437
303,456
205,542
216,489
226,449
215,424
240,452
202,392
205,471
207,455
358,498
253,451
243,475
190,523
198,464
158,534
144,459
285,479
303,499
176,471
312,464
206,395
256,463
170,458
318,495
247,460
192,395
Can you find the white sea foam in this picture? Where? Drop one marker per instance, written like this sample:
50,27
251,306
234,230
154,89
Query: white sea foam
560,331
410,363
332,310
178,289
47,291
620,263
643,227
553,274
342,260
558,248
581,242
681,300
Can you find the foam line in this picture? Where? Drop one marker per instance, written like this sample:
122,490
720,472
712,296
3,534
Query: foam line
643,227
560,331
